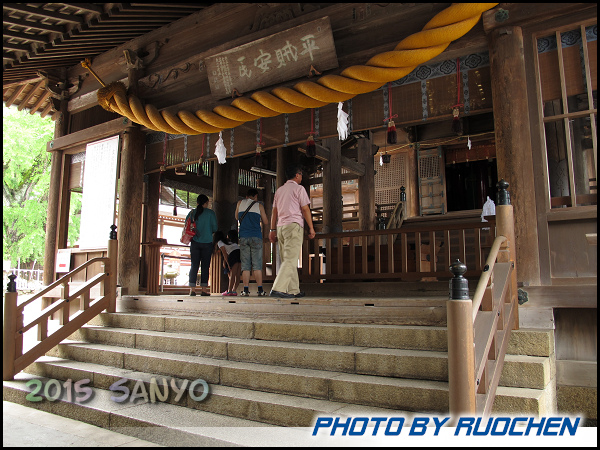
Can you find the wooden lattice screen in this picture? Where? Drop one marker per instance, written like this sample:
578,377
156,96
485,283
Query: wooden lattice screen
389,178
432,188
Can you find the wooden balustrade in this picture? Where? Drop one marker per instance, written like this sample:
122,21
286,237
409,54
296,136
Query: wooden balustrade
479,329
399,254
14,359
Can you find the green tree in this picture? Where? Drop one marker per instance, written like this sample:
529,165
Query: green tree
25,184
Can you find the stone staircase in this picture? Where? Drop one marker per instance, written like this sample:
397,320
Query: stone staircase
265,371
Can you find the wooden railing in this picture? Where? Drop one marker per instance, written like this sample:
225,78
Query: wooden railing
395,254
479,329
14,360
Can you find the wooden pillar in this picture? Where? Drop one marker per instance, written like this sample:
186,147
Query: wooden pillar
225,192
332,187
151,201
225,197
64,203
130,209
285,157
412,189
366,187
52,218
267,197
61,128
513,143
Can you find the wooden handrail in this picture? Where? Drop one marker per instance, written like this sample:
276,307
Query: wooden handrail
479,329
57,306
60,281
14,360
487,272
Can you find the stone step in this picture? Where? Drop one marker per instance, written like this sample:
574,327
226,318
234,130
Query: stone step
524,401
532,342
405,311
268,407
417,364
396,393
362,335
162,423
519,370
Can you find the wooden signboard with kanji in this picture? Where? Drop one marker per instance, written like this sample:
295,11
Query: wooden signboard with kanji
274,59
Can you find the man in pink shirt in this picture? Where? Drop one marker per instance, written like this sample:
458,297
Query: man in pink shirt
291,206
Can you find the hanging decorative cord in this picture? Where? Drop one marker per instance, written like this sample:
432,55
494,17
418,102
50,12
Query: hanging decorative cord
174,202
259,144
163,163
183,170
311,149
200,171
392,137
416,49
456,125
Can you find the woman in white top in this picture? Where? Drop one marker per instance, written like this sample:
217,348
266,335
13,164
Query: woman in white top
231,258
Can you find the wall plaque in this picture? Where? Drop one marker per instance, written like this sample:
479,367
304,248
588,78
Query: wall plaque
273,59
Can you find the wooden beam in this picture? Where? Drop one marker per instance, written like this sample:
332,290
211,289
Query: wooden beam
526,14
30,94
344,177
44,13
35,25
347,163
94,133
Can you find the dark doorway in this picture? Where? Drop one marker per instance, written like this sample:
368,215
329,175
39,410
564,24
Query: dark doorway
468,184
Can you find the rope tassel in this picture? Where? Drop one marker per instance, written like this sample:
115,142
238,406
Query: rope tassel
311,148
392,136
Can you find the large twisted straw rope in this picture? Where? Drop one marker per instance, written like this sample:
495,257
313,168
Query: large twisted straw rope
447,26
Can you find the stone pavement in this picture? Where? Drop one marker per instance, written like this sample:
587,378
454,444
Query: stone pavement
28,427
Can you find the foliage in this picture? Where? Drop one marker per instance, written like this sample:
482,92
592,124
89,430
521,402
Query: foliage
25,184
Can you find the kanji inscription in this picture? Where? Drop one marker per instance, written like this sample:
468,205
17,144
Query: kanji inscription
274,59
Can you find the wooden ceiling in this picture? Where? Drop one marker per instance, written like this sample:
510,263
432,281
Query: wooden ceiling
41,40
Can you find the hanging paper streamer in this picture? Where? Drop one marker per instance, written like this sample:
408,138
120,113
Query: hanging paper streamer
469,142
220,150
231,142
342,123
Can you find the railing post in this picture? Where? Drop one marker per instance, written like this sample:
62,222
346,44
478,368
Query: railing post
10,321
505,226
111,283
461,352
